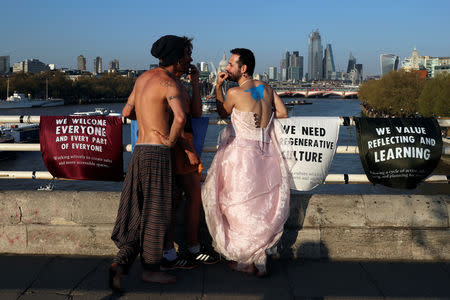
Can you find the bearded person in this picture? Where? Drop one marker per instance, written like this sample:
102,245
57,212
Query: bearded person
246,193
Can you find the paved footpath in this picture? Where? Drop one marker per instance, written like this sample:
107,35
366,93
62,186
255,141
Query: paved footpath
72,277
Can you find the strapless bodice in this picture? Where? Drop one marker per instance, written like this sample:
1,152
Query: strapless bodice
244,126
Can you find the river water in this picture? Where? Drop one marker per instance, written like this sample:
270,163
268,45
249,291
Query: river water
342,163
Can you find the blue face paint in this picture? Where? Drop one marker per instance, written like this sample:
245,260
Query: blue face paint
257,92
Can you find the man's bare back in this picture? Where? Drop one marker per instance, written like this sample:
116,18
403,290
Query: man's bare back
254,96
155,95
251,95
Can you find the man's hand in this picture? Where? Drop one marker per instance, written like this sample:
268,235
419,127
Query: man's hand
193,74
165,140
221,77
193,157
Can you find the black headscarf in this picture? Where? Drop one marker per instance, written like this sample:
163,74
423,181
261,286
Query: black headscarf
168,49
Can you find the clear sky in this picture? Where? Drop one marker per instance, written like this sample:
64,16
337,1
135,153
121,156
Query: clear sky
57,31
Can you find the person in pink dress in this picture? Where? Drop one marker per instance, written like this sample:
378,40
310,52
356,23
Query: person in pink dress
246,192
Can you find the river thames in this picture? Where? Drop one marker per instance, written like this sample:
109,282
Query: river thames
342,163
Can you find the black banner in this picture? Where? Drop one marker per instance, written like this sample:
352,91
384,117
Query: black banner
398,153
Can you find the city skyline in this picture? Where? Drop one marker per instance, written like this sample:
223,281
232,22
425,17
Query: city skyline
63,30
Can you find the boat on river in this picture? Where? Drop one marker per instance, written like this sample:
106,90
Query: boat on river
99,111
19,100
21,132
298,102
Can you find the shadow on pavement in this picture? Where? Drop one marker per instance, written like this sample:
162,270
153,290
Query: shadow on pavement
59,277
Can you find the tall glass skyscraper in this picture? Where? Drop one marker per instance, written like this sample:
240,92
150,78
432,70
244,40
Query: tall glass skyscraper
351,63
388,62
284,67
328,62
315,57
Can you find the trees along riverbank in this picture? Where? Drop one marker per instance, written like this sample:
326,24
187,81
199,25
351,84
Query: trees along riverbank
407,94
111,86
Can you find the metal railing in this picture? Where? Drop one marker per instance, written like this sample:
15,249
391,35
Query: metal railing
330,179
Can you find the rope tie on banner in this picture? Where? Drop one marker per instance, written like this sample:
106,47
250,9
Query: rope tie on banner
33,175
21,119
346,178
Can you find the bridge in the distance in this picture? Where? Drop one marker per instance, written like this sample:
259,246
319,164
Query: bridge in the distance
318,92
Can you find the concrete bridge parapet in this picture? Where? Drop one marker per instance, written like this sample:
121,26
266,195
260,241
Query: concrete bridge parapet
337,227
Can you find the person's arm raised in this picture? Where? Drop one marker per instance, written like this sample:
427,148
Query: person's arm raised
220,97
196,100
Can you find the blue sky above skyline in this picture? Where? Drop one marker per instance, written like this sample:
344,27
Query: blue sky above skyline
56,31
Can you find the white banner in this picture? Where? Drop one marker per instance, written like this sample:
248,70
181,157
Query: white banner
308,144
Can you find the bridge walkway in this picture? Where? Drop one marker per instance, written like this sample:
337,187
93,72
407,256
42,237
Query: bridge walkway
75,277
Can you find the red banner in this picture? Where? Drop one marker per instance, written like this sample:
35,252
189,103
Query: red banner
82,147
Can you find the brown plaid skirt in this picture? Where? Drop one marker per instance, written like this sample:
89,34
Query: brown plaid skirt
144,213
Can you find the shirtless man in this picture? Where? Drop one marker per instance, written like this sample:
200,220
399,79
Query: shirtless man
144,214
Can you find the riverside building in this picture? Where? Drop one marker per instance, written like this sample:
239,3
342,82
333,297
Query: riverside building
315,58
328,63
30,66
4,64
388,62
98,65
272,73
351,63
433,65
113,66
81,63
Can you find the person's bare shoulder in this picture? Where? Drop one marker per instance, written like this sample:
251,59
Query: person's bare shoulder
233,92
165,81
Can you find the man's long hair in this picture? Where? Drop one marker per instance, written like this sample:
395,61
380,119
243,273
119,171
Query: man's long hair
247,58
188,43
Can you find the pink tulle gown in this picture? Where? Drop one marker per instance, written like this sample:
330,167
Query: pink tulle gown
246,193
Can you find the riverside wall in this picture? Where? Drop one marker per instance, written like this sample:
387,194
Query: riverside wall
335,227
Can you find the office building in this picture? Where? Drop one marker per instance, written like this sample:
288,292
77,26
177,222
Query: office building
113,66
351,63
4,64
315,56
272,73
442,69
204,66
356,75
388,62
98,65
295,69
284,66
81,63
328,63
359,68
30,66
430,64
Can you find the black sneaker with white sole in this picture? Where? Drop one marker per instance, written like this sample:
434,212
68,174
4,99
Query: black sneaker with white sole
178,263
204,256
